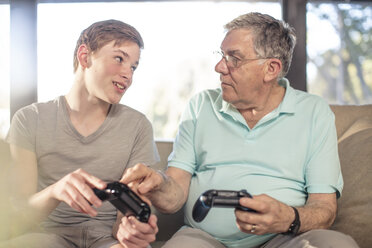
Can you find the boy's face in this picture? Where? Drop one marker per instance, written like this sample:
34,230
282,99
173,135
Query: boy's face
110,70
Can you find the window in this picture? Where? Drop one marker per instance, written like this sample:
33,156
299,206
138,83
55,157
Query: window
4,69
339,52
177,61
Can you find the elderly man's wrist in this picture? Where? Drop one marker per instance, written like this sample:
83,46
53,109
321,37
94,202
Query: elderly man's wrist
163,176
294,227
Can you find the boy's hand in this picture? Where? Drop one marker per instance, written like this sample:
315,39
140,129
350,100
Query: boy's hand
75,189
135,234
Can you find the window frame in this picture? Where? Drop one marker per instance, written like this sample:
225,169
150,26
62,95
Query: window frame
294,14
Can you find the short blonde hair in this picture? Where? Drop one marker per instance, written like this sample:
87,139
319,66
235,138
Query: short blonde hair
100,33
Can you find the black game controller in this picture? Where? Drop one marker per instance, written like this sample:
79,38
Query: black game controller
218,198
125,200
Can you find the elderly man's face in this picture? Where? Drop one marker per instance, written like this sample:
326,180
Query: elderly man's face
241,80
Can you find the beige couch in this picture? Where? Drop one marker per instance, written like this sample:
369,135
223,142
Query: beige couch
354,130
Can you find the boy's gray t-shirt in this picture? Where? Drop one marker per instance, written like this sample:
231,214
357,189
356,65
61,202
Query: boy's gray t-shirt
124,139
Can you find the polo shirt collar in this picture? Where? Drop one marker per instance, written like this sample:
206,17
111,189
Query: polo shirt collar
286,106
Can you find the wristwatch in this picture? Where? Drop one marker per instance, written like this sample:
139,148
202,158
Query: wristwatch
296,224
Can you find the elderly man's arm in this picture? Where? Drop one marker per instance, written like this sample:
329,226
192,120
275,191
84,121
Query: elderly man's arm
319,212
167,192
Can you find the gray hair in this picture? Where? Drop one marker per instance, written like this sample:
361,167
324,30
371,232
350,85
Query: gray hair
272,38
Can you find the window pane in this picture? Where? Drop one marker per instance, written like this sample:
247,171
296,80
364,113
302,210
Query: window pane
177,61
339,52
4,69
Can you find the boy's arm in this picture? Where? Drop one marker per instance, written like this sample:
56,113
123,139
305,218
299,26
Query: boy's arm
75,188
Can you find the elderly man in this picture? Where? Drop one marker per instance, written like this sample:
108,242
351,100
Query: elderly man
255,133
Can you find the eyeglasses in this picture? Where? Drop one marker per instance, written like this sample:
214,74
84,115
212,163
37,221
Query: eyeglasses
234,62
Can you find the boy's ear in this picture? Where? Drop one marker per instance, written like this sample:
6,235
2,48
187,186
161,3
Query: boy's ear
83,56
273,68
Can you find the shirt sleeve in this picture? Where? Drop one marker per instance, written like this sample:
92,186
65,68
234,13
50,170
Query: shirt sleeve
183,155
323,171
23,128
144,149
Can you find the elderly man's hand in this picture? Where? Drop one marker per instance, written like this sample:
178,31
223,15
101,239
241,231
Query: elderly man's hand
142,179
272,216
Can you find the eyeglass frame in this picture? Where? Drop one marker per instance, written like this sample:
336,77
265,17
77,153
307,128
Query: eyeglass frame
238,60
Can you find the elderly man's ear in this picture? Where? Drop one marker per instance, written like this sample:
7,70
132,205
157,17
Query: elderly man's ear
273,68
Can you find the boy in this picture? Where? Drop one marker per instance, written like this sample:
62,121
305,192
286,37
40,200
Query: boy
65,147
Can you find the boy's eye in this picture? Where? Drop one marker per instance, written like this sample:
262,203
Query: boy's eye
119,59
133,68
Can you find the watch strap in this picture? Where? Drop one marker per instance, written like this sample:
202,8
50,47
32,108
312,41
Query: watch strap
295,225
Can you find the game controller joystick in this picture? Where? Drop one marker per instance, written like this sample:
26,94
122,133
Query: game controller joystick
218,198
125,200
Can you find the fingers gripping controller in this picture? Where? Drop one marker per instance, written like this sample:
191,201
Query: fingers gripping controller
218,198
125,200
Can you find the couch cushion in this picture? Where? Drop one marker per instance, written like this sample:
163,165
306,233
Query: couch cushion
355,205
359,125
346,115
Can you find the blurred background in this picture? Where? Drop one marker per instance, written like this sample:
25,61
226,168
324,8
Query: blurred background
37,39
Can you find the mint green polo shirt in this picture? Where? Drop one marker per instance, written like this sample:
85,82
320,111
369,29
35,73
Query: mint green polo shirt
290,153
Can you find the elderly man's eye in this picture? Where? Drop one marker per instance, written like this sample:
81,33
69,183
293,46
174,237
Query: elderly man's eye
233,60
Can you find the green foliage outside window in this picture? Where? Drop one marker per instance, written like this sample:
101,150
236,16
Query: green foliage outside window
344,72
